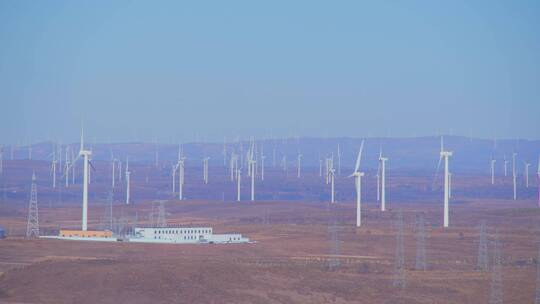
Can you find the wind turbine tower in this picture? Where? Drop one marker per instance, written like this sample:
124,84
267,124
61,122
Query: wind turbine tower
252,168
53,170
505,166
493,171
181,166
358,185
205,169
383,181
238,178
85,154
514,174
128,175
446,155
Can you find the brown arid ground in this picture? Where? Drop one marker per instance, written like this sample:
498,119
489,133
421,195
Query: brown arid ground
288,263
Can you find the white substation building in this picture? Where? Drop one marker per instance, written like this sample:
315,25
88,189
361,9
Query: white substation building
184,235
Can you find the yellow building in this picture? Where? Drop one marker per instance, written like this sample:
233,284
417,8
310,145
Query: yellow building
85,234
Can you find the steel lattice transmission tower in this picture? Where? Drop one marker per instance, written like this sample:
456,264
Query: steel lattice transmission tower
420,243
483,260
333,261
496,294
32,226
399,264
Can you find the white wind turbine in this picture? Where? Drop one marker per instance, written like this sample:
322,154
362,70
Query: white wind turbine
85,154
53,168
446,155
205,169
505,166
251,163
382,166
527,165
67,164
238,180
181,175
128,177
493,161
358,185
232,163
119,171
514,174
113,167
173,174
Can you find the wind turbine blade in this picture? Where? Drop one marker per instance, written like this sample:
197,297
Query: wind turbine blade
359,157
92,165
437,171
442,144
71,165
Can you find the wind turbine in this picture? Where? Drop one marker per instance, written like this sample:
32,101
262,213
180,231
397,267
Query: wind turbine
505,166
67,164
53,169
382,162
238,179
128,176
493,161
527,165
446,155
205,169
173,174
232,165
251,163
181,167
358,185
85,154
332,177
514,174
113,166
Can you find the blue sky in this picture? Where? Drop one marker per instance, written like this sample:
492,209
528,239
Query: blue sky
175,70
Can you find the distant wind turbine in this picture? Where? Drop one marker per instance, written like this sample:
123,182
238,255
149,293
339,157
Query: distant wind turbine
527,165
493,161
514,174
446,155
382,161
85,154
128,181
358,185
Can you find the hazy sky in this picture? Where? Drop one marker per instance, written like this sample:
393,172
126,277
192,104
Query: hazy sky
169,70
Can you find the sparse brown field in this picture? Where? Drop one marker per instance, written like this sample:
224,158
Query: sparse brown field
287,264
